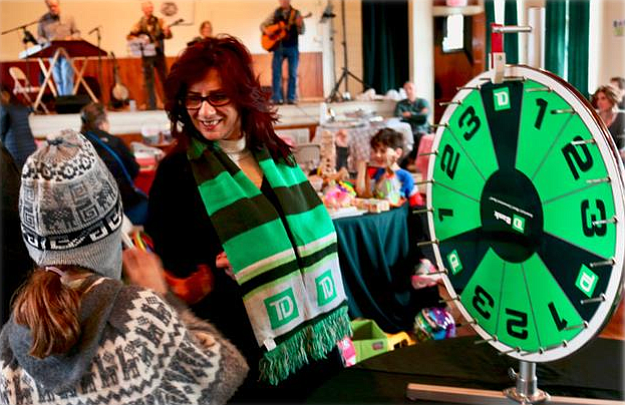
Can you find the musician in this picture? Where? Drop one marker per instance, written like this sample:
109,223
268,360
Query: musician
206,31
155,31
53,27
287,48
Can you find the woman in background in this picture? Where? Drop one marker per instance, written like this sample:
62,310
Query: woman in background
15,131
619,84
206,31
606,101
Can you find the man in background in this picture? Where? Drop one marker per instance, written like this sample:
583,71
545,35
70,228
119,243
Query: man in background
414,111
54,27
287,48
152,30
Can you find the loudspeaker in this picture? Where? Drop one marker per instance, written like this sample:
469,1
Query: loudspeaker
71,104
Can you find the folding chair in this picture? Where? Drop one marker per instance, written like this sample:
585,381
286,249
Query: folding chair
308,156
22,85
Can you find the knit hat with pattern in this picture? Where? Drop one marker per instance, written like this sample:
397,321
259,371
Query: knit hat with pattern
70,208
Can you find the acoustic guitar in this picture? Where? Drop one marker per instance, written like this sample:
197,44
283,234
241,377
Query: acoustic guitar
119,92
276,33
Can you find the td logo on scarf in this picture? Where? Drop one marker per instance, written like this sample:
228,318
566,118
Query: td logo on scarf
281,308
326,291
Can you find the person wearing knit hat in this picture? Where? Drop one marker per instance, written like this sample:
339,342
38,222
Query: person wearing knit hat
77,334
70,207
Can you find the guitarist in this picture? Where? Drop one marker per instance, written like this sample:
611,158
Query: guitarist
287,48
156,31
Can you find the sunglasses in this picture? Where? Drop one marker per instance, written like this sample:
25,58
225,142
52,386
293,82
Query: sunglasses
216,99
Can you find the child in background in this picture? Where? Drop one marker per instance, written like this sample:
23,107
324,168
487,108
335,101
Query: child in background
389,180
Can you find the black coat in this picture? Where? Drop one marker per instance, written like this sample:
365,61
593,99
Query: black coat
14,260
15,132
130,195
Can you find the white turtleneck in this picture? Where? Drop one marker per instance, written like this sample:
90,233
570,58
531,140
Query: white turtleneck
242,157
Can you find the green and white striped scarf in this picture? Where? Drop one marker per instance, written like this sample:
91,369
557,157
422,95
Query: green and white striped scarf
292,287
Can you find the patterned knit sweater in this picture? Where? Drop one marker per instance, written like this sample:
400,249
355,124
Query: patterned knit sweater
134,349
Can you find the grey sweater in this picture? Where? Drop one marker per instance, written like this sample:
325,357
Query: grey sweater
134,348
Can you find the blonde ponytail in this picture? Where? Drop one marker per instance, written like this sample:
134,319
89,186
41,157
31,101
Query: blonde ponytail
50,310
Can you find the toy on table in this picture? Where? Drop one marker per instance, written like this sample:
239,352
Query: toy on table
327,166
373,205
425,275
339,195
434,323
388,187
348,351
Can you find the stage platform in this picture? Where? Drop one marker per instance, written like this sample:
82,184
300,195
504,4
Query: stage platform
304,115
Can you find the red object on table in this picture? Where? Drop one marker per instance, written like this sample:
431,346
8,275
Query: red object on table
422,161
145,178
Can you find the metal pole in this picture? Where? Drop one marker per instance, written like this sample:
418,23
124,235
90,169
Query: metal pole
511,29
526,383
100,63
526,390
344,45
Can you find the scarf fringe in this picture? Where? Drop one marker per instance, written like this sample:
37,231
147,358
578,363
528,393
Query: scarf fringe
313,341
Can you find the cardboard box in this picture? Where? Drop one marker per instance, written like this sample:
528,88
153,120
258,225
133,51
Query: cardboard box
369,340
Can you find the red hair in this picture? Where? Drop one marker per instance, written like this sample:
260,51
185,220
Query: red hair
50,310
233,61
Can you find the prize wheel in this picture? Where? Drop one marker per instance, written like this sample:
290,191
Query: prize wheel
525,204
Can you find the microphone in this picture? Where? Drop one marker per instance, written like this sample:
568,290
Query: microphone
178,21
327,13
94,30
28,37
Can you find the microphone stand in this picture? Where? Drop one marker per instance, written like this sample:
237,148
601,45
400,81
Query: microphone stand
99,39
19,27
334,95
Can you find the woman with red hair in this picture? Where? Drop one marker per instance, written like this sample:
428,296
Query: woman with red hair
242,233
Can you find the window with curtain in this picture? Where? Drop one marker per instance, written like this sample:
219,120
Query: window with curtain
385,44
566,37
577,58
567,41
510,17
511,41
555,36
454,33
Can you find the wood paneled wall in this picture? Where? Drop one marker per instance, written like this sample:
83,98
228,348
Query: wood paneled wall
310,83
455,69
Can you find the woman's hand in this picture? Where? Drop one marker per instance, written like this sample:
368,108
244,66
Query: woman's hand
144,269
222,262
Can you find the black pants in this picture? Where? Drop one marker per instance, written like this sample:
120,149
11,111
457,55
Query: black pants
150,63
